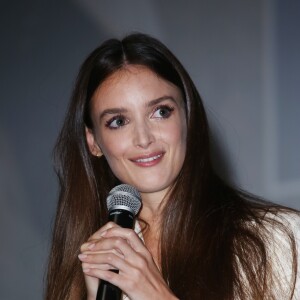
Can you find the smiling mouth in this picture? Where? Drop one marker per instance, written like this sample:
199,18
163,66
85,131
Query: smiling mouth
142,160
148,160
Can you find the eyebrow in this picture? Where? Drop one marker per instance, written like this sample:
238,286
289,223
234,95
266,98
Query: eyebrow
121,110
160,99
112,111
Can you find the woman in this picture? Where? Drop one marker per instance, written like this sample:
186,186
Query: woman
136,117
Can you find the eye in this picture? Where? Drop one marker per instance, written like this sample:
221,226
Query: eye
116,122
163,111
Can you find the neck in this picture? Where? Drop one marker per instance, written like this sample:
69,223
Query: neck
151,213
153,204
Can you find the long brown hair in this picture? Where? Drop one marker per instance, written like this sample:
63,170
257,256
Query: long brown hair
214,238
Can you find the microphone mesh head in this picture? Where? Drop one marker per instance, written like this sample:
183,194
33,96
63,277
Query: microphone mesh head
124,195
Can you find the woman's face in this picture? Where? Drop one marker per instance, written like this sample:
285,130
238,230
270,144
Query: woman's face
140,128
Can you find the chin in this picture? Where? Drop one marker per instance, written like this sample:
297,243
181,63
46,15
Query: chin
150,187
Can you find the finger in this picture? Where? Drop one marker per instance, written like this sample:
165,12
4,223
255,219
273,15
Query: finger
109,276
118,246
105,245
88,245
117,252
128,234
96,236
120,280
104,267
116,263
125,263
92,284
102,261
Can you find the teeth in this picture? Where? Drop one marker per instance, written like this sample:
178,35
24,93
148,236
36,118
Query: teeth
142,160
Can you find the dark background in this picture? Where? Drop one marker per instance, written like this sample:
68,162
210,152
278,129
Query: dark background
244,57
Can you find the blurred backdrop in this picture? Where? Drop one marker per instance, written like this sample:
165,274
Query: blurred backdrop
244,57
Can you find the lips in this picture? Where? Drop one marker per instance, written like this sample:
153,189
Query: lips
148,160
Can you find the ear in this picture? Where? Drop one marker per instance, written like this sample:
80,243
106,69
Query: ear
92,144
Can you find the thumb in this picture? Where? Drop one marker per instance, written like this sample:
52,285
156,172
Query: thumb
92,284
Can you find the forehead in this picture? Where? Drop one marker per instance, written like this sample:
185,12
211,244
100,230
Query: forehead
134,82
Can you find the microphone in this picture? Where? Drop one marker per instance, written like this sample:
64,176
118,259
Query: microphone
123,203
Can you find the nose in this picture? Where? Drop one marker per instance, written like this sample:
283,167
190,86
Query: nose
143,135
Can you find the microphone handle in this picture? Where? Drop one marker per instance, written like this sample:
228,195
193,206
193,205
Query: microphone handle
106,290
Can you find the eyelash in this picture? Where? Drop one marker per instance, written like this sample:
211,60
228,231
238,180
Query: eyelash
117,117
168,108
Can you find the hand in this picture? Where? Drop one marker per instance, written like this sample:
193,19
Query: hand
113,247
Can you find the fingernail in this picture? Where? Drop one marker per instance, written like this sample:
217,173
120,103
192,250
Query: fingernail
91,246
85,270
82,256
103,233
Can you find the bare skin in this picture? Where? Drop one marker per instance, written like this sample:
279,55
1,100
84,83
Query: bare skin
140,128
113,247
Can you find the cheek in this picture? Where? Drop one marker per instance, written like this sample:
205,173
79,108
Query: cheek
113,146
177,134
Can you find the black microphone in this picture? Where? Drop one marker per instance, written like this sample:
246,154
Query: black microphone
123,203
